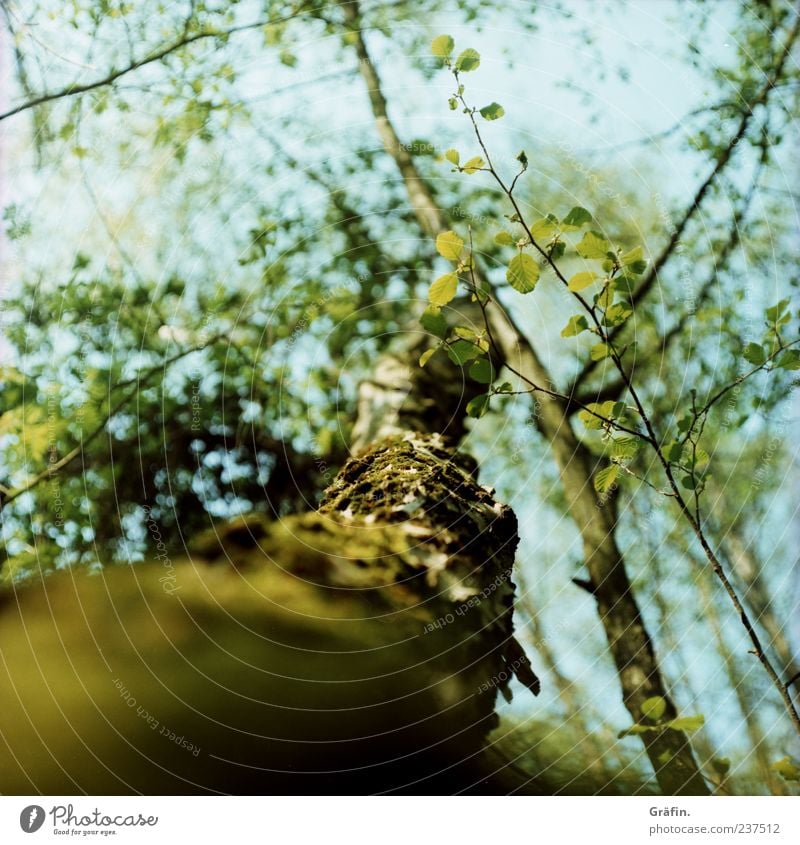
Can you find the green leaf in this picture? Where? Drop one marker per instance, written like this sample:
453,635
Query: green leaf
505,387
633,730
442,46
468,60
687,723
596,413
492,112
755,354
449,246
605,299
581,280
777,311
624,448
453,157
544,228
786,769
593,245
461,351
575,326
617,314
673,452
600,351
576,218
478,406
654,708
473,165
482,371
426,356
433,321
504,238
637,267
605,478
790,360
523,273
631,257
443,289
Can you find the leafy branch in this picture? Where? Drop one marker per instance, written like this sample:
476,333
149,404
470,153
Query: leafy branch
603,317
184,40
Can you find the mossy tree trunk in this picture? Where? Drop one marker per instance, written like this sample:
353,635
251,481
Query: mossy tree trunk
359,648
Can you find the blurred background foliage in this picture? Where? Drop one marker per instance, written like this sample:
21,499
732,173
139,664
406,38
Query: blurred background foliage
205,250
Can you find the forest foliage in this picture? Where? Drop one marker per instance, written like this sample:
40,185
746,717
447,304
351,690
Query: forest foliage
210,238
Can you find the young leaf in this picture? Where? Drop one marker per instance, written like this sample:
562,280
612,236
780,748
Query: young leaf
443,289
478,406
790,360
605,299
504,238
482,371
433,321
673,452
426,356
468,60
581,280
505,387
576,218
605,478
596,413
461,351
545,227
687,723
631,257
523,273
593,245
575,326
449,246
755,354
492,112
442,46
633,730
776,313
624,448
654,708
600,351
453,156
617,314
473,165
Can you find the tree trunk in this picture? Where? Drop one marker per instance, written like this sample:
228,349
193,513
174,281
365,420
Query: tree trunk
359,648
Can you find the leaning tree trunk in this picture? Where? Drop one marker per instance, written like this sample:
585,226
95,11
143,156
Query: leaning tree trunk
358,648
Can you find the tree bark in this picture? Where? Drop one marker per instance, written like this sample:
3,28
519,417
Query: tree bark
629,642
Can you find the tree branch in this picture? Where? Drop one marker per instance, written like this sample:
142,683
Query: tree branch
723,158
112,76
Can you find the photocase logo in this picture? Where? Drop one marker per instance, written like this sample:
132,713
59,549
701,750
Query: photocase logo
31,818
